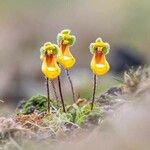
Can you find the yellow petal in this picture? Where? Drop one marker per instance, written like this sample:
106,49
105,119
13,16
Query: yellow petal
99,64
50,67
65,58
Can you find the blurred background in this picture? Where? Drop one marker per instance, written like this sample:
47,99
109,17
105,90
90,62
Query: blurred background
26,25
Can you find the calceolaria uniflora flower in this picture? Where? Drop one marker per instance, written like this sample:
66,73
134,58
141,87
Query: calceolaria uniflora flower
99,64
50,68
65,40
48,56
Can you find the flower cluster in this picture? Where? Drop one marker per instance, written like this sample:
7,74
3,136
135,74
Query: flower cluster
53,56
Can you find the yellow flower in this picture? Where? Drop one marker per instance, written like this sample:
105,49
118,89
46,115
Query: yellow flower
65,40
99,64
48,56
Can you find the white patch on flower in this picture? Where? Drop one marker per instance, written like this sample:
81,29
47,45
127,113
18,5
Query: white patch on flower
100,65
51,68
66,58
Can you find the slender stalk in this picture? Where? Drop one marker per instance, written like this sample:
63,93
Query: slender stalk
54,89
48,95
60,92
94,90
71,84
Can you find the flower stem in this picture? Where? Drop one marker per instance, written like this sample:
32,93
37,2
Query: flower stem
60,92
94,90
48,95
71,84
54,89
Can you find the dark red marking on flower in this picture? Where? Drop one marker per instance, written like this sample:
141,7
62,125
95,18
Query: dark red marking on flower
63,47
99,57
49,59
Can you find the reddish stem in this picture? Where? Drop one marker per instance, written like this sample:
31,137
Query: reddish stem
94,91
60,92
48,95
71,84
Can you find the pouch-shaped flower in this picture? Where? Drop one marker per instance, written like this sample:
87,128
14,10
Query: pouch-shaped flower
65,40
48,56
99,64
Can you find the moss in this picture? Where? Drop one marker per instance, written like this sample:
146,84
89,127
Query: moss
38,103
80,114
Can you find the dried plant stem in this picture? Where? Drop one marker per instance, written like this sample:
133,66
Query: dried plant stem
54,89
94,90
60,92
48,95
71,84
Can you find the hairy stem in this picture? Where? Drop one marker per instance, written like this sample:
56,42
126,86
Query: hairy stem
60,92
94,90
71,84
54,89
48,95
